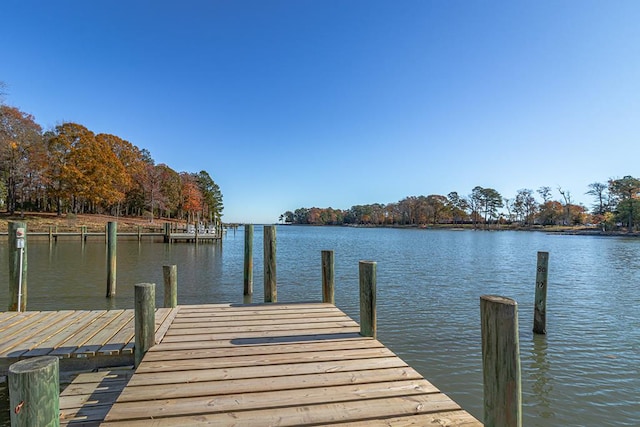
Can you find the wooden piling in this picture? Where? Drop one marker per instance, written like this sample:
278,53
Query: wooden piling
328,277
540,307
270,289
170,275
167,232
83,234
17,265
112,238
248,259
501,361
34,392
139,234
145,319
50,233
367,270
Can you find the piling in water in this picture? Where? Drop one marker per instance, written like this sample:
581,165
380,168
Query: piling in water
248,259
501,361
170,276
112,239
17,266
367,276
540,308
270,290
145,319
328,277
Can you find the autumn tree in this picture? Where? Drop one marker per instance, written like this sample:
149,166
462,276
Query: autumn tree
192,200
212,196
626,191
20,141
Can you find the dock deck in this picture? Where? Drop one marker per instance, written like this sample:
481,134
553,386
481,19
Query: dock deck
82,339
240,365
277,364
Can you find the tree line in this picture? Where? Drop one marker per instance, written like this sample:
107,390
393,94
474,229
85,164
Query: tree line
616,204
70,169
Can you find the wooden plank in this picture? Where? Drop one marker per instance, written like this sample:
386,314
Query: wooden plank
78,334
264,371
165,353
263,341
5,316
77,322
231,360
322,413
168,320
106,327
458,418
275,399
16,319
249,385
42,332
207,322
244,338
268,327
117,344
22,331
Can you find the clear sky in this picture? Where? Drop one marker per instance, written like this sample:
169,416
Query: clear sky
302,103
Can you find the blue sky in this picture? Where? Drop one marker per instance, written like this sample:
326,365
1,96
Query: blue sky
298,103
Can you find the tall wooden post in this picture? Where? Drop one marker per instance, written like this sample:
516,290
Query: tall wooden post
34,392
501,361
17,266
167,232
170,275
270,290
248,259
139,234
112,239
145,319
328,277
83,234
50,233
368,326
540,309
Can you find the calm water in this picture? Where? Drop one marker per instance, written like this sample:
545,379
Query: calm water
585,372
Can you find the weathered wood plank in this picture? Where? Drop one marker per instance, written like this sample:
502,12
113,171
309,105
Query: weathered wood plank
166,353
107,326
38,333
277,399
323,413
177,377
257,336
263,360
263,341
21,331
248,385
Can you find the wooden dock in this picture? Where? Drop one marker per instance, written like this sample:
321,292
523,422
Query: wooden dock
231,365
277,364
81,339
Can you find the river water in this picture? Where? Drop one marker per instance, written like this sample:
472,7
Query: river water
584,372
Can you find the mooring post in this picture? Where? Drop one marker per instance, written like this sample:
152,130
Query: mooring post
50,233
540,309
17,266
83,234
248,259
112,239
270,290
501,361
145,319
367,270
139,234
170,275
328,277
167,232
34,392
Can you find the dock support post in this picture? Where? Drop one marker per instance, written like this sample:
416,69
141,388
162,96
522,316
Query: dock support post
139,234
248,259
501,361
112,239
83,234
328,278
167,232
17,266
145,319
34,392
540,309
50,234
170,275
270,290
367,270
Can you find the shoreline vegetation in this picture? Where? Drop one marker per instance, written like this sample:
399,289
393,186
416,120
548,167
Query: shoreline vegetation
40,222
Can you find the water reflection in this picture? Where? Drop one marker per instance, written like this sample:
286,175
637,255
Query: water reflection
541,382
